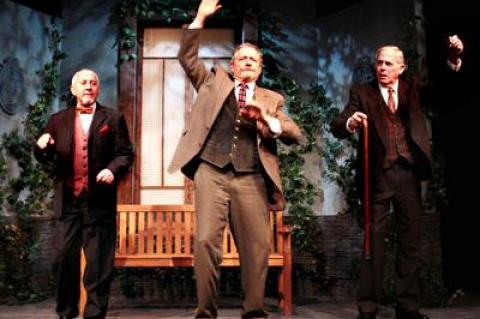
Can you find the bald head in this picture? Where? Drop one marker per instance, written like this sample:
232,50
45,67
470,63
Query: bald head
85,87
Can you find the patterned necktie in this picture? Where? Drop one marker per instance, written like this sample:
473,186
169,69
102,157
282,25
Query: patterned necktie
242,95
85,109
391,100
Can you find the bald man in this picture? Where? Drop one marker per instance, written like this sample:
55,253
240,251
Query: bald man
90,148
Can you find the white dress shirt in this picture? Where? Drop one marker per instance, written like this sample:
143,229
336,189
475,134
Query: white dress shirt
86,119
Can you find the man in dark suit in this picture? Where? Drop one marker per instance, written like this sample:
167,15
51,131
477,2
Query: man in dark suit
229,150
90,147
400,157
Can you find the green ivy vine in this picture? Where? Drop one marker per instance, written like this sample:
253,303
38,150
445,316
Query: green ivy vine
28,193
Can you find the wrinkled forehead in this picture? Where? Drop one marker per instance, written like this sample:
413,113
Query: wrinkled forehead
247,52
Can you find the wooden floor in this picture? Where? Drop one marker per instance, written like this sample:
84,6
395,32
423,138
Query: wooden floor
469,308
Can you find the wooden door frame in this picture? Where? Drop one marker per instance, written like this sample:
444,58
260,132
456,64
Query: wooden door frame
129,94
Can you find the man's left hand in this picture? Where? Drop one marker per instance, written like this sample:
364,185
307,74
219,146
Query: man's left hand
254,111
105,176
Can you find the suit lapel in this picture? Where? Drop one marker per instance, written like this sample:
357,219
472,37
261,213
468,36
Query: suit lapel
261,95
69,125
99,117
378,111
403,104
225,88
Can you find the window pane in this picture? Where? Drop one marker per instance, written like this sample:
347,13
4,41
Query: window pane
164,43
174,110
162,196
151,149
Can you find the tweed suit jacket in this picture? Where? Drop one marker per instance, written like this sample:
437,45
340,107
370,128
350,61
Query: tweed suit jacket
213,87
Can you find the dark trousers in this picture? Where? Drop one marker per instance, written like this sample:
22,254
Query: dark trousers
222,197
398,186
77,229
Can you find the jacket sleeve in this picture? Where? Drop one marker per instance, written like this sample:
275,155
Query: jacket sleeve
188,57
123,149
48,153
339,125
291,133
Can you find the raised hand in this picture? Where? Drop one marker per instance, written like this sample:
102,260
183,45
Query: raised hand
455,46
206,9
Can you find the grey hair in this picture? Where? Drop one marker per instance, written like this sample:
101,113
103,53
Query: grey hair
396,50
248,45
75,76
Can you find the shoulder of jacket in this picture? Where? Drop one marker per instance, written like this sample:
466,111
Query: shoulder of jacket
273,95
62,112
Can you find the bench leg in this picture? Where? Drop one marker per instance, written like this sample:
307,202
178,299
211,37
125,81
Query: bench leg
285,279
83,293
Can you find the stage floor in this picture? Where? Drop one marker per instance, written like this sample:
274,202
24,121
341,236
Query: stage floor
469,308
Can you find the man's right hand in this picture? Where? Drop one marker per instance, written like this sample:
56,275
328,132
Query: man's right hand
44,140
205,10
355,121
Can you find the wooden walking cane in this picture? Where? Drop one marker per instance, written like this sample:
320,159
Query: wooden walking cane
366,192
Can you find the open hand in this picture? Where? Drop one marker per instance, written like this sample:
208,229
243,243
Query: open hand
208,8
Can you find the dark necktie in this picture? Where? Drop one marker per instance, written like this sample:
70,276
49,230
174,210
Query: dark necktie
85,109
391,100
242,95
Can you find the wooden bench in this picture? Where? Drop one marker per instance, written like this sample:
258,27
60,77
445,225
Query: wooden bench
162,236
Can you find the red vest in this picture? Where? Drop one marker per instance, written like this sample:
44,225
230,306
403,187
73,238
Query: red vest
80,158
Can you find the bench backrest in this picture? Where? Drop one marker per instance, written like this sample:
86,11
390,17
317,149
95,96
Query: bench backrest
162,235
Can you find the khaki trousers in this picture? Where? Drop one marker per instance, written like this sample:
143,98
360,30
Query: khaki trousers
223,196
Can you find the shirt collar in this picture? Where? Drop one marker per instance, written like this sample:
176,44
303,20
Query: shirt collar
251,84
94,106
394,86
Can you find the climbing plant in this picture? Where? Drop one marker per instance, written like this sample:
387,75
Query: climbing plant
26,193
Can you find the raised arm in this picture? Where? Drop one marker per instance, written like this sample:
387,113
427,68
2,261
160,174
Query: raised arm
189,45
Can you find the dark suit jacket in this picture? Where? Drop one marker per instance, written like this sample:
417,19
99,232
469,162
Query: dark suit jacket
213,88
368,99
109,147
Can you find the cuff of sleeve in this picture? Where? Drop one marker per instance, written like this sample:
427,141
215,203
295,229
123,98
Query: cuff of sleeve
455,67
274,126
348,127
